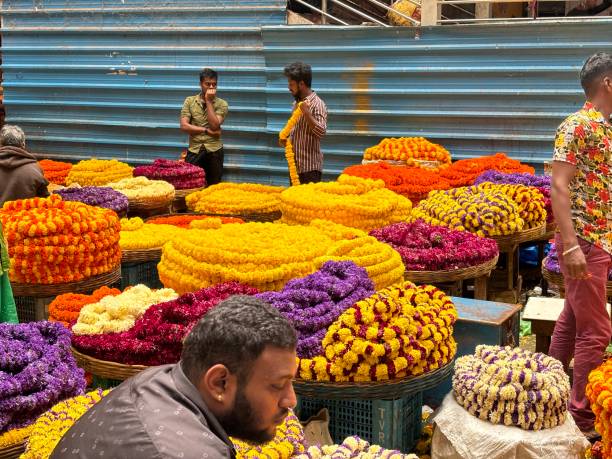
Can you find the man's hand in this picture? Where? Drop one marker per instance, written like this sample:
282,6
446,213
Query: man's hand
282,143
210,94
305,107
576,264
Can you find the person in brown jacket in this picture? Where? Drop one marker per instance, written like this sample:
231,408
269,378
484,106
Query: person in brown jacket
20,175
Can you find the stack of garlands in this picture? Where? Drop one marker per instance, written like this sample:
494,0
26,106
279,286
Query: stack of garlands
599,393
408,149
235,198
143,189
399,331
512,387
314,302
96,196
465,171
530,201
424,247
55,171
156,338
268,255
37,370
98,172
114,314
541,182
49,428
66,308
138,235
485,212
412,182
185,221
180,174
352,448
52,241
351,201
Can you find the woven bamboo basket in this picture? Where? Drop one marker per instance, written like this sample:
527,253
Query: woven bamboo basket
141,255
150,207
509,241
182,194
251,217
557,279
451,275
13,451
379,390
106,369
52,290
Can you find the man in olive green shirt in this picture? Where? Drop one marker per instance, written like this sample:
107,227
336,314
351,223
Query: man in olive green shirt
201,118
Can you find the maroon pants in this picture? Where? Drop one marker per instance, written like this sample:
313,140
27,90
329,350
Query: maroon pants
583,328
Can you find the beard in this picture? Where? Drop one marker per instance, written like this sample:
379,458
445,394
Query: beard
241,422
297,97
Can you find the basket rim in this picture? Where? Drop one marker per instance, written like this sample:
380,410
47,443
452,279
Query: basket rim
254,216
559,281
511,240
114,370
447,275
137,255
13,451
182,194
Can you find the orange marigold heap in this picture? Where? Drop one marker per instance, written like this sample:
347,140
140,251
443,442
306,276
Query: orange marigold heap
409,149
65,308
52,241
464,172
55,171
184,221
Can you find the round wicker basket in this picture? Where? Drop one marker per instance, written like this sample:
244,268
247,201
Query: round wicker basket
141,255
52,290
472,272
509,241
252,217
106,369
557,279
13,451
376,390
182,194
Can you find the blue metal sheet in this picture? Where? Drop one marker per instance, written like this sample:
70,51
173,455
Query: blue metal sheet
107,79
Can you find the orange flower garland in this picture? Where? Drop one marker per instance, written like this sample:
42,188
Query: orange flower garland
184,221
599,393
55,171
53,241
464,172
65,308
408,149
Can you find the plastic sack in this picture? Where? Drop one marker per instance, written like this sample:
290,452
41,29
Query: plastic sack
459,435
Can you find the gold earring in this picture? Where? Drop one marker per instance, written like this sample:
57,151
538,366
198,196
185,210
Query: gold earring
219,397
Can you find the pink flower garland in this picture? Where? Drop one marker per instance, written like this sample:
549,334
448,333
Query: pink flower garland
157,337
180,174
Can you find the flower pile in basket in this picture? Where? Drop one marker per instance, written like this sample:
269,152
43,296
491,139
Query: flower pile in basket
235,199
184,221
351,201
66,308
156,336
49,428
530,201
117,313
143,189
599,393
286,444
510,386
411,182
37,370
268,255
424,247
98,172
352,448
55,171
180,174
138,235
408,149
464,172
53,241
399,331
96,196
314,302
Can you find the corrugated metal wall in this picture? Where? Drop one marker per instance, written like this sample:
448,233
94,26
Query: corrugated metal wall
85,78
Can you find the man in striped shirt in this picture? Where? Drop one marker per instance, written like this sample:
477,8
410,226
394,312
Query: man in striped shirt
311,127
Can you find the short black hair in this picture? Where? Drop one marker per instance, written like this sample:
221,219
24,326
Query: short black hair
235,333
298,71
597,66
208,73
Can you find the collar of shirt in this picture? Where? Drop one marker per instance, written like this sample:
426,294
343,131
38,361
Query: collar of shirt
184,386
593,113
311,96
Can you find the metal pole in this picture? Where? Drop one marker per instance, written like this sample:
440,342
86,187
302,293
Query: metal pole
324,9
360,13
314,8
399,13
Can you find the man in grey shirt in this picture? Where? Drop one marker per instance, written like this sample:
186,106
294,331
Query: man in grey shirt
234,379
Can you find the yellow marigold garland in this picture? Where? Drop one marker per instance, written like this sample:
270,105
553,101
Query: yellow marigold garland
137,235
49,428
143,189
351,201
289,153
530,201
54,241
599,393
399,331
98,172
235,198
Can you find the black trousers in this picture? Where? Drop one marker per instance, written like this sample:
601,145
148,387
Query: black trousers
310,177
211,162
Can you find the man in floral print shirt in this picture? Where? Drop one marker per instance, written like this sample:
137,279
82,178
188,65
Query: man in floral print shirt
581,187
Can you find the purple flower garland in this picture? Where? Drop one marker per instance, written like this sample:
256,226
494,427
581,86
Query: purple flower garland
424,247
37,370
96,196
181,174
314,302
